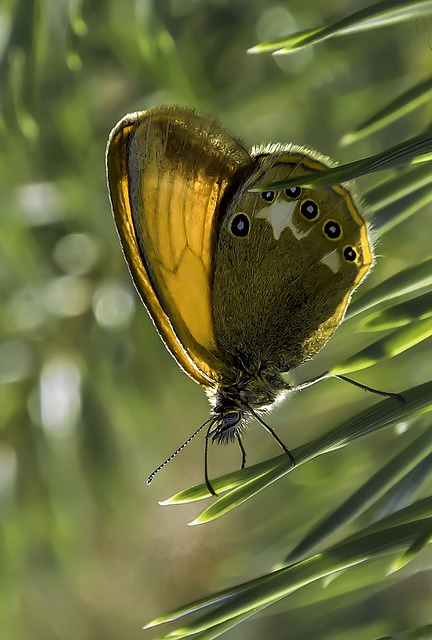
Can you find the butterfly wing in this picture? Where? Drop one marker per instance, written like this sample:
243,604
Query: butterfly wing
169,172
282,288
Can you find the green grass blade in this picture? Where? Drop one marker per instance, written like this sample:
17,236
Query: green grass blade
400,314
413,149
273,587
244,492
412,552
404,491
366,495
372,419
390,217
224,483
420,633
416,512
379,14
296,40
401,184
407,281
391,345
411,99
218,630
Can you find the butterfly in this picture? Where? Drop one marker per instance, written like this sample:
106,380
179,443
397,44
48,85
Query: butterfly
241,286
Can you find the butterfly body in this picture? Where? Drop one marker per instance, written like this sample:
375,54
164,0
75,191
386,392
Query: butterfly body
242,286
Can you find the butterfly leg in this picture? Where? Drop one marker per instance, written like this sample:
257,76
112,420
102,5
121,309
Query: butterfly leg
275,436
386,394
242,449
206,475
327,374
309,383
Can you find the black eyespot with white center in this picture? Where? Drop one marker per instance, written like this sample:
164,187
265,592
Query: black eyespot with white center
293,192
240,225
268,196
332,230
350,254
309,209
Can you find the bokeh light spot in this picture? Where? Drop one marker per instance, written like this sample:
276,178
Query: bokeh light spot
60,396
76,253
113,305
67,296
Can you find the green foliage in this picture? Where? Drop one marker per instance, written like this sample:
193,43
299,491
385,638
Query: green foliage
90,401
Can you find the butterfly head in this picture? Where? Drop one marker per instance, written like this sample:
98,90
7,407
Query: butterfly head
229,422
235,405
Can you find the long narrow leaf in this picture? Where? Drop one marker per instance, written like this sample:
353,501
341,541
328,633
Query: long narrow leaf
407,281
420,633
366,495
403,492
393,344
271,588
400,314
401,184
401,106
416,512
379,14
412,552
376,417
410,150
388,219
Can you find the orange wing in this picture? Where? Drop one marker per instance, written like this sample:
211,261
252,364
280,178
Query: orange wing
168,170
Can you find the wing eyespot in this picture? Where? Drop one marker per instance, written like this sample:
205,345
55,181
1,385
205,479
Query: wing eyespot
350,254
293,192
309,209
268,196
332,230
240,225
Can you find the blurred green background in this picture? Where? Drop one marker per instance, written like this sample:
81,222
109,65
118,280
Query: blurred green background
90,401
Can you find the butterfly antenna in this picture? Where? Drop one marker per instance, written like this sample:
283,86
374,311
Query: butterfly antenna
274,434
173,455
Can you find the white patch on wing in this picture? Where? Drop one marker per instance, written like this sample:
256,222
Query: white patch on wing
332,260
280,215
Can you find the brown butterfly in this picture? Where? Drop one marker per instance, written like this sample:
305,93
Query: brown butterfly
241,286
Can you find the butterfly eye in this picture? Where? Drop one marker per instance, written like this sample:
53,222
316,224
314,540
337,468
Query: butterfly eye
231,418
349,254
293,192
268,196
240,225
309,209
332,230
